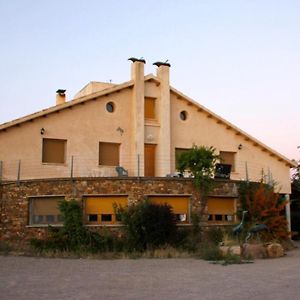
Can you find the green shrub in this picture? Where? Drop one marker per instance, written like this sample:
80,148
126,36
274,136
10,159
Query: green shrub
147,225
214,235
74,236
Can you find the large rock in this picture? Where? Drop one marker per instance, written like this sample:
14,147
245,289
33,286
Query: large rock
275,250
254,251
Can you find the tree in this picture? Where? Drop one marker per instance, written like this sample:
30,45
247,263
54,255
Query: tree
264,206
296,176
201,161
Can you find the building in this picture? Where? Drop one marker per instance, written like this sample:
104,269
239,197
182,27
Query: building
140,125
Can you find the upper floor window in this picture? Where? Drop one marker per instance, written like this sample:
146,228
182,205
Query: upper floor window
110,107
228,158
54,151
150,108
109,154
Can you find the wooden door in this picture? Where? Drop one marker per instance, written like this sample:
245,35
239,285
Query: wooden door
149,160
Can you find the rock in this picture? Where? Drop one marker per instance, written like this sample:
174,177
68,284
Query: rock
275,250
236,250
254,251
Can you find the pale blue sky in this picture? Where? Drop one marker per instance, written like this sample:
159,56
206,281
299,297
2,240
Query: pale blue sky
240,58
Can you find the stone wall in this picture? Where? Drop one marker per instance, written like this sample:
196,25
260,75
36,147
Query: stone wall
14,205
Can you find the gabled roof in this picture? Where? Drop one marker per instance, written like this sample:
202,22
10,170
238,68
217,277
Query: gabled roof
230,126
129,84
65,105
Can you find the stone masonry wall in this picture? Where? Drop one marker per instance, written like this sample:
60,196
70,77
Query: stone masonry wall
14,205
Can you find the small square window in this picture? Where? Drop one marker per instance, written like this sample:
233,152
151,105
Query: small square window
106,218
38,219
229,218
218,217
54,151
109,154
50,219
181,217
93,218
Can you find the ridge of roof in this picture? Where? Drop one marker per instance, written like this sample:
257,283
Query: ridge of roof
235,128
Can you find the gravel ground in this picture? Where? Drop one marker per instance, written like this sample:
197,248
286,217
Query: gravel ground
43,278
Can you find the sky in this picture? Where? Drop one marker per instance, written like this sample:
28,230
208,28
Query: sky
238,58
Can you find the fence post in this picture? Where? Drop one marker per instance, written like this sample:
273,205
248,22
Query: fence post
19,173
72,162
247,174
1,170
138,165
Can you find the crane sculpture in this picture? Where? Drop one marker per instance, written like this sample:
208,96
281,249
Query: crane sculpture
255,230
239,228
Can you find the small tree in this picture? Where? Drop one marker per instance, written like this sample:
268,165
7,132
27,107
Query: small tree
201,161
264,206
147,225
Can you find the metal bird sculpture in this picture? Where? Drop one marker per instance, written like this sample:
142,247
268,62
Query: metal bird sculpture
255,230
160,63
134,59
238,229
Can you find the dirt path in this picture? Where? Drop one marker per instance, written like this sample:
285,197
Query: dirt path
41,278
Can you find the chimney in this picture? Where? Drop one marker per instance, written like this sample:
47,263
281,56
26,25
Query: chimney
60,96
138,102
164,151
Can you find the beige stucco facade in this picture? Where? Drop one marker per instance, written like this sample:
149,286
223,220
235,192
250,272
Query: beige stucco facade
85,122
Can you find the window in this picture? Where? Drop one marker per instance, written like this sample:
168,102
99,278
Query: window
150,108
44,210
228,158
183,115
221,209
100,209
54,151
109,154
179,204
110,107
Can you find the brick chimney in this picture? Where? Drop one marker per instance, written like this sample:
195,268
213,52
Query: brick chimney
60,96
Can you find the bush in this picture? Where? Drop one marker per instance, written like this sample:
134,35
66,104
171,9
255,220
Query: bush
148,225
214,235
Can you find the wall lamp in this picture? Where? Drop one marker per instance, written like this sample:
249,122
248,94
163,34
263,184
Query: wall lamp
42,131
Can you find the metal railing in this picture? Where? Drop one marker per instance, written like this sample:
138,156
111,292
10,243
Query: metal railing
82,166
